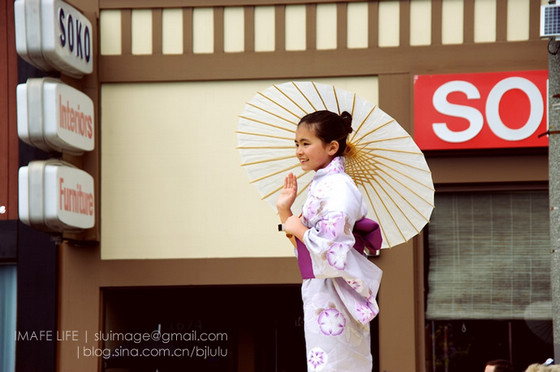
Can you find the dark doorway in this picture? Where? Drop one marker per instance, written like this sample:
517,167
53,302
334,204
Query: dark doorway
203,328
466,345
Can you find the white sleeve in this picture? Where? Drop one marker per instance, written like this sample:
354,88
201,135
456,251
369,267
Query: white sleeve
330,238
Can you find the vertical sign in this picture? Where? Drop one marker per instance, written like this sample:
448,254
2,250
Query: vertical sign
55,196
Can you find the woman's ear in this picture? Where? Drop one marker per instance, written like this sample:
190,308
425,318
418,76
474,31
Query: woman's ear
332,148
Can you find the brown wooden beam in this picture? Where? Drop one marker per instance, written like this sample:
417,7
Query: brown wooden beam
509,56
145,4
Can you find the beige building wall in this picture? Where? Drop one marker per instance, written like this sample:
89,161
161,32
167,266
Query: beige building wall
172,184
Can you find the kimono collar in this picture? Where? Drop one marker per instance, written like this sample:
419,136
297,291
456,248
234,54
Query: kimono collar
335,166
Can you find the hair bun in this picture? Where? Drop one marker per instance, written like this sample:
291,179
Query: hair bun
347,118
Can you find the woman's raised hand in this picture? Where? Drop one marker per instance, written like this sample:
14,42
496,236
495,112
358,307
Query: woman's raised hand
288,193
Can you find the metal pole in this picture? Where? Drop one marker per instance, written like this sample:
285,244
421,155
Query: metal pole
554,185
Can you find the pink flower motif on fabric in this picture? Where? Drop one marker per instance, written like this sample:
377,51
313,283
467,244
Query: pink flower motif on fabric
336,256
331,322
332,226
372,305
311,208
336,166
317,359
355,284
364,312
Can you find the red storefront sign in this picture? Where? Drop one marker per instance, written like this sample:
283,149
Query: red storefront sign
480,111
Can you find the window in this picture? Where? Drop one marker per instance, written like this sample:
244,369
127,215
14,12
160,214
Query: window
488,271
8,280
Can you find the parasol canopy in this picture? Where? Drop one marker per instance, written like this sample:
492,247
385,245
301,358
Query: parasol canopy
387,166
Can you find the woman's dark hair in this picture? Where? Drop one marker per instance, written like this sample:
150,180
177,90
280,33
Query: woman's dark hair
329,126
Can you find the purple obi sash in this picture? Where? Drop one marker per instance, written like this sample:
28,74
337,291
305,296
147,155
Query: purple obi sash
367,234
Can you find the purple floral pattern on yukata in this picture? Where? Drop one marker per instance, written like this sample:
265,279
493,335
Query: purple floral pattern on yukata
372,304
336,166
317,359
355,284
333,226
336,256
331,322
312,208
364,312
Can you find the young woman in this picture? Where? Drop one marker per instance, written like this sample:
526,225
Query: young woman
339,283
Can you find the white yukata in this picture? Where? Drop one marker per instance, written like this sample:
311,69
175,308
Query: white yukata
339,298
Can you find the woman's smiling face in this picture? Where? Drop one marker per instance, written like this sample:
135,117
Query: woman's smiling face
311,151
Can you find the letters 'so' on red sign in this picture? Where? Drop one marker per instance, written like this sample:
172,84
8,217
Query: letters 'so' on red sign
481,111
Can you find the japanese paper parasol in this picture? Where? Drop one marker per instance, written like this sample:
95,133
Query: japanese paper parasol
386,165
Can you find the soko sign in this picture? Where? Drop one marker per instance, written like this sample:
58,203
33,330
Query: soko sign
480,111
53,35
